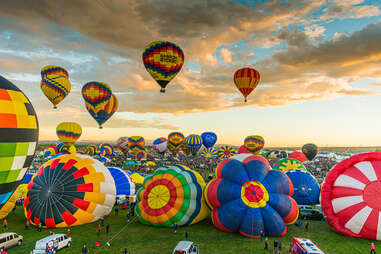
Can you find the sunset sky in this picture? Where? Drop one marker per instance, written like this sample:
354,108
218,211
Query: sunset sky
320,66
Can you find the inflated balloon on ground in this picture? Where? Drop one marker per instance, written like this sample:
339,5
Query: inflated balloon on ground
249,198
18,137
310,151
287,164
172,195
69,190
209,139
226,152
194,143
123,182
306,188
209,152
254,144
68,132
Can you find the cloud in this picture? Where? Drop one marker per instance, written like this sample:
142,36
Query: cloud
349,9
226,55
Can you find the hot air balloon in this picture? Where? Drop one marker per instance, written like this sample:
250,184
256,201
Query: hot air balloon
310,151
122,144
249,198
175,139
49,151
68,132
18,137
92,150
226,152
306,188
287,164
106,149
55,83
141,155
136,144
172,195
8,206
163,60
243,149
69,190
160,145
97,96
276,154
209,152
298,156
254,144
185,148
67,150
123,182
246,80
194,143
209,139
136,177
350,196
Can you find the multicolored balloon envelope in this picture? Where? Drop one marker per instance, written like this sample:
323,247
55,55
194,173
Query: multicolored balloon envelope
123,182
306,188
298,156
163,60
351,196
172,195
226,152
106,149
254,144
69,190
175,139
136,177
287,164
68,132
209,139
55,83
141,155
67,150
194,143
276,154
92,150
243,149
18,137
122,144
160,145
209,152
8,206
49,151
136,144
246,80
248,197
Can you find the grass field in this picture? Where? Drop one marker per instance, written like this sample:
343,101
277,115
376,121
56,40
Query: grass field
141,239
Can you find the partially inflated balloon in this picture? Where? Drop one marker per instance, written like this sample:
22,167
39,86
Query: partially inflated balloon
310,151
92,150
18,137
122,144
160,145
68,132
226,152
106,149
209,139
55,83
175,139
243,149
67,150
246,80
50,150
209,152
185,148
123,182
254,144
69,190
298,156
141,155
163,60
194,143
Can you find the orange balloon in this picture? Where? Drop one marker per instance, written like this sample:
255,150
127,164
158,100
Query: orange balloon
246,80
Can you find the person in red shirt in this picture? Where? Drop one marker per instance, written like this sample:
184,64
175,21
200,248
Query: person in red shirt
372,248
5,224
99,229
68,232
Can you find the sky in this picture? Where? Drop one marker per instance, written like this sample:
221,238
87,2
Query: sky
320,66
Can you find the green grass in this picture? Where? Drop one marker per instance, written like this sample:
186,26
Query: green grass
141,239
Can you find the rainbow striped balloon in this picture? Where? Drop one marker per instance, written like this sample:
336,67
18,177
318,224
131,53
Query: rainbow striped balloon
68,132
209,152
254,144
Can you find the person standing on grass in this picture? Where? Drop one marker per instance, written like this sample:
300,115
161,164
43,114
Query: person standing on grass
107,229
116,210
99,229
261,235
26,225
68,232
266,244
372,248
128,214
280,246
174,228
84,249
125,251
275,247
307,225
5,226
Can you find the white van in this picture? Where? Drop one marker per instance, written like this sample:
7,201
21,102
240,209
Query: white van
55,242
186,247
8,240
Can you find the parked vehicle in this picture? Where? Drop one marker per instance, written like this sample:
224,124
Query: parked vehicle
8,240
310,212
186,247
304,246
53,242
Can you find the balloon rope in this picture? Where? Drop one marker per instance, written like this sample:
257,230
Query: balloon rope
120,231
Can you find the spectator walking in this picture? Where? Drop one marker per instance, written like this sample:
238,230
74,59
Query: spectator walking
102,222
39,227
174,228
99,229
266,243
116,210
275,247
107,228
26,225
5,225
125,251
84,249
372,248
68,232
186,235
307,225
261,232
279,246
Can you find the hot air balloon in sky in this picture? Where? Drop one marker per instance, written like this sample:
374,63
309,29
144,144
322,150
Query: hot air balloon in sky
175,139
68,132
246,80
18,137
163,60
194,143
310,151
172,195
55,83
249,198
254,144
69,190
209,139
97,96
